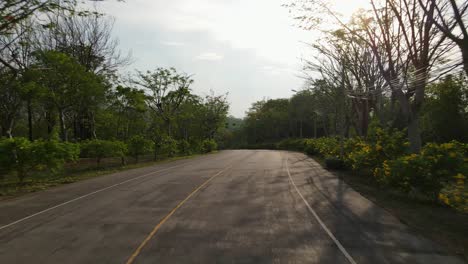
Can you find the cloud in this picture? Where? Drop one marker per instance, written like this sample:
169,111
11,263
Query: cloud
172,43
209,56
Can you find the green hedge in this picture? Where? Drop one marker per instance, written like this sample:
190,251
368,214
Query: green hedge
99,149
209,145
23,157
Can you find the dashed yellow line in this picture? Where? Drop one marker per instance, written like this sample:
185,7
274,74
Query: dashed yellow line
158,226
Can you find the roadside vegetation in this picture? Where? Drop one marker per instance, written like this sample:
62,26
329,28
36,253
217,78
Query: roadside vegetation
66,107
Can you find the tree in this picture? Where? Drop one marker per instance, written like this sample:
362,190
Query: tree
450,18
406,45
445,113
100,149
129,107
67,85
10,101
168,89
138,145
14,12
215,109
268,121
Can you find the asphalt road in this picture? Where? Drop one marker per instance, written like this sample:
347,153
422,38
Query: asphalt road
241,206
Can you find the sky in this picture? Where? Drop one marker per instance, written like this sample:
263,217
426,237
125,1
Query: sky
250,49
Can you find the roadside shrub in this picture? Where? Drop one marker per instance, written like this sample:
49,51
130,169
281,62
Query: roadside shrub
456,195
425,173
168,146
99,149
195,146
327,147
382,145
138,145
184,147
209,145
24,157
310,147
53,154
297,144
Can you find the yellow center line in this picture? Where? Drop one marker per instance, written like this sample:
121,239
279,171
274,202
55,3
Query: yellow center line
158,226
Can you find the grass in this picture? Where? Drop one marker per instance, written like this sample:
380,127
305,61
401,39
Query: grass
86,169
442,224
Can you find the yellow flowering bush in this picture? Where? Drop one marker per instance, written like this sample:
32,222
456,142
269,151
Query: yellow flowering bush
457,194
327,147
427,172
382,145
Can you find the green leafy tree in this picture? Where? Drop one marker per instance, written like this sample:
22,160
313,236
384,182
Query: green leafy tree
138,145
99,149
168,146
67,85
215,109
445,115
169,89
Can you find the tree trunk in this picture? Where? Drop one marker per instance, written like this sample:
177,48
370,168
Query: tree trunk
30,125
7,127
464,50
414,134
365,119
63,129
412,120
50,123
169,128
93,126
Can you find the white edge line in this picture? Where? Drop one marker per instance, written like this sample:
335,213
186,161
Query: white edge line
330,234
83,196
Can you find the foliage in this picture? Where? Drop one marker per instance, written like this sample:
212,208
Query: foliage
292,144
325,147
457,195
446,111
184,147
167,146
100,149
23,157
426,173
138,145
209,145
381,145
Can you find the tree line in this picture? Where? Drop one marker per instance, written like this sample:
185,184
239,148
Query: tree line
60,80
315,112
382,62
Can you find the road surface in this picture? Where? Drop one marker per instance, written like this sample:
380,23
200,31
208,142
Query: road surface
240,206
